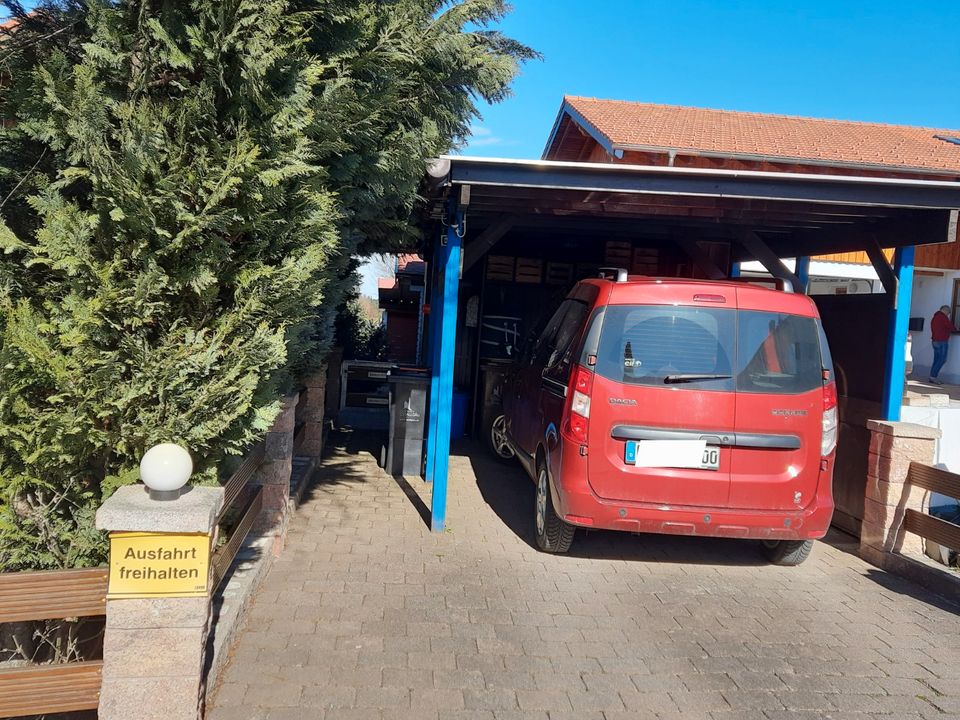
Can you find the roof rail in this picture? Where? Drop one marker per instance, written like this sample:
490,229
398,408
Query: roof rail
614,273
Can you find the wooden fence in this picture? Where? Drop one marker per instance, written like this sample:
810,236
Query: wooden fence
51,595
62,594
926,526
236,494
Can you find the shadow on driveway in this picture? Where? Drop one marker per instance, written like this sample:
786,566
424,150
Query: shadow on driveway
510,493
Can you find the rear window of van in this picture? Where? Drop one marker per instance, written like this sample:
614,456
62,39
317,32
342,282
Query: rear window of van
698,348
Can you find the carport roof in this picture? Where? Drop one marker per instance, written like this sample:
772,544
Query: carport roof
796,214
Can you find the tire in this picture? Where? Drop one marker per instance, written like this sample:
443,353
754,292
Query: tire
553,534
497,440
787,552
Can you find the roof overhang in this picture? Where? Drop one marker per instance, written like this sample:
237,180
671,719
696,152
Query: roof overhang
797,214
567,110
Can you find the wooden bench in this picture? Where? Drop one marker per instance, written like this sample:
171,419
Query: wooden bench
51,595
926,526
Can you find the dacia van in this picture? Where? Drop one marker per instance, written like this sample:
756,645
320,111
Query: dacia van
677,406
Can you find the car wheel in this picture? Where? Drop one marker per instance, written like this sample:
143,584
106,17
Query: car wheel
787,552
553,534
497,439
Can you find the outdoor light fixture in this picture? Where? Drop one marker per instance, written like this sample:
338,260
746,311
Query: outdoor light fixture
164,469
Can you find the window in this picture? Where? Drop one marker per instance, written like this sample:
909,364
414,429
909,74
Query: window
543,345
948,138
643,344
955,305
778,353
750,351
558,364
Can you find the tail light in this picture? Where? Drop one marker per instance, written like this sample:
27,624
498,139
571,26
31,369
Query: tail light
576,422
831,421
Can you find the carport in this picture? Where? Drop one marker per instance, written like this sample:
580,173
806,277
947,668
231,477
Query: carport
698,222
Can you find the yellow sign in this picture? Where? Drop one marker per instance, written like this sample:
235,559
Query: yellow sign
148,565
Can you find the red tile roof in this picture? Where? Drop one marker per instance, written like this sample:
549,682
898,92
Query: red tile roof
646,126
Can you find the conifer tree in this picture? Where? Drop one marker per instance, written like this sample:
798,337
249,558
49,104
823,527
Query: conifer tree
160,272
184,187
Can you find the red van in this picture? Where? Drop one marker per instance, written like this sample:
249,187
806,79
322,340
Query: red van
677,406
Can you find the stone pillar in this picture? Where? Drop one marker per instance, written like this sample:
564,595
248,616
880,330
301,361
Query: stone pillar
153,647
274,473
312,409
893,446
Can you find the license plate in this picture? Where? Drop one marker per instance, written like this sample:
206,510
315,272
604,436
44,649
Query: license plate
672,453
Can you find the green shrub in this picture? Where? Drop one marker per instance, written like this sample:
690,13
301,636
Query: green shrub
182,188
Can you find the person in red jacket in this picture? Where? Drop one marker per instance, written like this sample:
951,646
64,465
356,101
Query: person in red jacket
941,328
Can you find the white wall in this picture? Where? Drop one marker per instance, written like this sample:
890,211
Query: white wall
929,294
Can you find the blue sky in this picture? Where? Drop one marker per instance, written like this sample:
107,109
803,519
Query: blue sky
880,61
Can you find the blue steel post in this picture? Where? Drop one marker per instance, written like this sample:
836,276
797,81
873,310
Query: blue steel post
802,271
447,322
895,367
434,329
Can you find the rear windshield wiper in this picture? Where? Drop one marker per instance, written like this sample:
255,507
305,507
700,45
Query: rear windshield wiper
692,377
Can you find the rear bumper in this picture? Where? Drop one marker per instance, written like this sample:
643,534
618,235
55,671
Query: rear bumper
578,505
710,522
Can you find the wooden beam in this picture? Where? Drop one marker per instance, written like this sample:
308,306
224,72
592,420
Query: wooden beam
756,246
479,247
880,264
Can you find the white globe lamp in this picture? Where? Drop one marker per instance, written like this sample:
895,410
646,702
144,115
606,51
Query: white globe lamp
164,469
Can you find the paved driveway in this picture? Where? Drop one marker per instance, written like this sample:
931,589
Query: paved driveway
369,615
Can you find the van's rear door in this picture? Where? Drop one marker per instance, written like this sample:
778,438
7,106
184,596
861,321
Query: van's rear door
776,462
663,371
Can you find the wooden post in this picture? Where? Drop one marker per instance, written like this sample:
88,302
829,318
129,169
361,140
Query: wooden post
895,368
442,376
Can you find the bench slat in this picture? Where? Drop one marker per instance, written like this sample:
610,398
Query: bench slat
932,528
37,690
934,480
53,594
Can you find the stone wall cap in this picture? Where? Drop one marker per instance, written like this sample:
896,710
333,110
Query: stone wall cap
903,429
131,509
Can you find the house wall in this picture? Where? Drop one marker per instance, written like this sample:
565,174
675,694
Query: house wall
929,294
943,256
402,336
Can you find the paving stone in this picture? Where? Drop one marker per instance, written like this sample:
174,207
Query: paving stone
437,699
490,699
546,700
273,694
370,615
